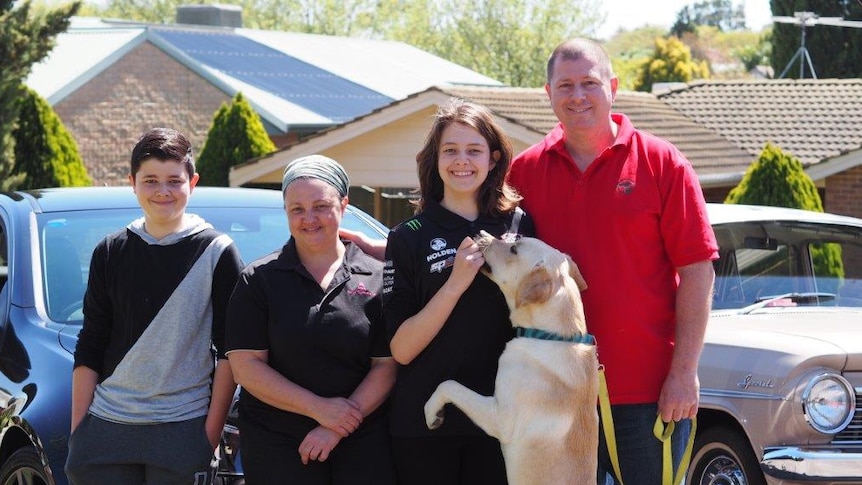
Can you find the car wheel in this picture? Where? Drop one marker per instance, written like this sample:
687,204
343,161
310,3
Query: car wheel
23,468
723,457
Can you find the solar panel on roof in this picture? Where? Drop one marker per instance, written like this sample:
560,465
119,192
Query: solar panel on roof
289,78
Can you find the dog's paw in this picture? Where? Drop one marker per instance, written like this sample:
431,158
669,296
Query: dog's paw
436,421
434,410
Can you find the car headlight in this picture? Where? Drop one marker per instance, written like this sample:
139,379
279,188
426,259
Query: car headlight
828,402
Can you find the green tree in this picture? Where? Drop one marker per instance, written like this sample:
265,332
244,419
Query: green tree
670,62
492,36
26,37
778,179
629,50
235,136
720,14
45,152
836,52
753,54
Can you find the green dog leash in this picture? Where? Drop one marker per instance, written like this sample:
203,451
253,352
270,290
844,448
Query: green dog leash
661,430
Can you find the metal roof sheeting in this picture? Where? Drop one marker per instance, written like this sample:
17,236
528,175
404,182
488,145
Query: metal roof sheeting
291,79
255,64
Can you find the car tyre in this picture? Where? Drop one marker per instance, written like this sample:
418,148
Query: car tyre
23,467
723,457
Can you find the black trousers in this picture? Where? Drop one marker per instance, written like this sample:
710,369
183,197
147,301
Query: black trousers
272,458
449,460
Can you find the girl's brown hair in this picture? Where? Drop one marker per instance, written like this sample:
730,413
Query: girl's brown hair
495,196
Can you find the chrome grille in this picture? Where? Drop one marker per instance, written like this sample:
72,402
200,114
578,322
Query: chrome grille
852,434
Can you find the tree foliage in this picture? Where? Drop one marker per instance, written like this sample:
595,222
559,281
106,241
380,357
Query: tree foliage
26,37
236,135
720,14
778,179
45,152
507,40
836,52
628,50
671,62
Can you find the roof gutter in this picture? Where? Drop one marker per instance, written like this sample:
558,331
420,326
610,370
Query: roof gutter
720,179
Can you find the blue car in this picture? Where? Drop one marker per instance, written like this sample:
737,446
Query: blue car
46,240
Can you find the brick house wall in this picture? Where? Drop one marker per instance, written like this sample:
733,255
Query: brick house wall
844,196
844,193
145,89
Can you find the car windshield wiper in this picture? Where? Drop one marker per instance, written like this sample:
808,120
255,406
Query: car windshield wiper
807,297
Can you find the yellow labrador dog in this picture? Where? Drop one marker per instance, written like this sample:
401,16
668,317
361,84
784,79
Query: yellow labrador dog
543,409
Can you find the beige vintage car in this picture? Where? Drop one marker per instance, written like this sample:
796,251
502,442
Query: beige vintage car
781,371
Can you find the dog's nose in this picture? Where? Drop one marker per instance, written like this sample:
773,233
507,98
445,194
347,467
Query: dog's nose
483,240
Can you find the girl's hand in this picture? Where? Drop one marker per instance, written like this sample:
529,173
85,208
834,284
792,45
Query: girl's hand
468,260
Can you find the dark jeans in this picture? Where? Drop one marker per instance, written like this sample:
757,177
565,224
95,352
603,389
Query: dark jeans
639,451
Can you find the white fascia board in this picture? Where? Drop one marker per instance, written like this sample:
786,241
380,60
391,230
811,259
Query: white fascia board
336,135
835,165
720,179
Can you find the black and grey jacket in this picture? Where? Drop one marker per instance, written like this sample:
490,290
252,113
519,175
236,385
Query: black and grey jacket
153,317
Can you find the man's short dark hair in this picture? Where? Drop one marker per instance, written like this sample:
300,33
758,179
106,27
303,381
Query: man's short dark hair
577,48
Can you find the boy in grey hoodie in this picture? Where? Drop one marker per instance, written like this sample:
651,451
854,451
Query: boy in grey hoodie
151,386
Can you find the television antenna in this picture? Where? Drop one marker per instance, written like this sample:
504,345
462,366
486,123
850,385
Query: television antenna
803,20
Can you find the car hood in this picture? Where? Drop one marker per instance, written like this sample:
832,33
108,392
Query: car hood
803,332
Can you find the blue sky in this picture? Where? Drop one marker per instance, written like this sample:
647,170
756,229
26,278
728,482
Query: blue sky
631,14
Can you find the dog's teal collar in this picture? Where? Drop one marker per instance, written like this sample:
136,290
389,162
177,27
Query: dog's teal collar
580,338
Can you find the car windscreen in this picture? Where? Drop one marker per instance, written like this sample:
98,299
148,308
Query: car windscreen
791,263
67,240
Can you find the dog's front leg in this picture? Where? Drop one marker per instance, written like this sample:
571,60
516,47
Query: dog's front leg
481,409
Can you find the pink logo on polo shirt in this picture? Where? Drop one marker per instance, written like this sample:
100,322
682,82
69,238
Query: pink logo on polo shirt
360,290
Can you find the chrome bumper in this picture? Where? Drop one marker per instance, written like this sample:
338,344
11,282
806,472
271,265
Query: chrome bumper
807,465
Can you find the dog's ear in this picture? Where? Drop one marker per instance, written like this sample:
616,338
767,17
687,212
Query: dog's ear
575,273
536,287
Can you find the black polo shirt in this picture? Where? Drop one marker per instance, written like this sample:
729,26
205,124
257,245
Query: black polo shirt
419,258
320,340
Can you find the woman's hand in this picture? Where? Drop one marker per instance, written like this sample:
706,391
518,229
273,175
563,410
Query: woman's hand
338,414
318,444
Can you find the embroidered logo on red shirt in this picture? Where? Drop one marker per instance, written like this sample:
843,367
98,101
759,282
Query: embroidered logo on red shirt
360,290
625,187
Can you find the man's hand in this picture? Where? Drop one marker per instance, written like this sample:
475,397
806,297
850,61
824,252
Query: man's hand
679,398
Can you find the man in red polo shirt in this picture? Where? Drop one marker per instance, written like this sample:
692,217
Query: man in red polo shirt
628,208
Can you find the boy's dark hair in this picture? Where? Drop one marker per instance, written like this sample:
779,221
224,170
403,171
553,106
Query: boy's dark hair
495,196
163,144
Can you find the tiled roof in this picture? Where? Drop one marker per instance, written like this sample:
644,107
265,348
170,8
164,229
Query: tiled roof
708,152
812,119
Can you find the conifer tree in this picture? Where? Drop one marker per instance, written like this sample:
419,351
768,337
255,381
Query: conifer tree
235,136
778,179
26,37
45,152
